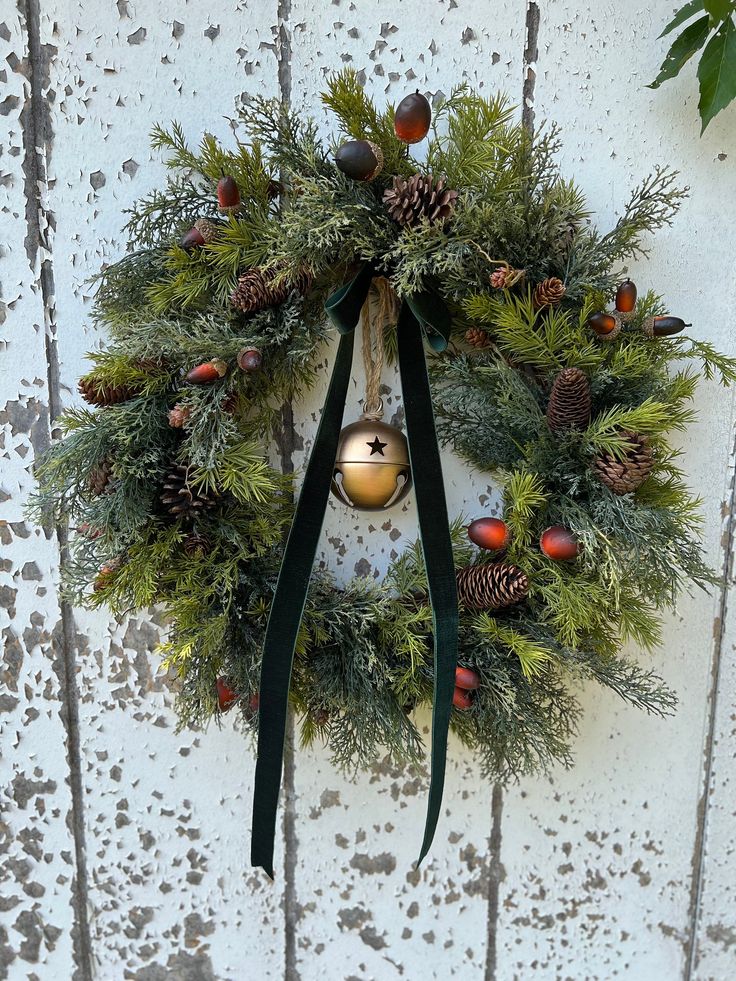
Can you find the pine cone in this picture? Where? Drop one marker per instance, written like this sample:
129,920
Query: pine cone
491,586
181,498
209,230
476,337
498,278
100,478
95,391
179,416
256,291
196,544
549,292
569,401
624,476
107,573
418,197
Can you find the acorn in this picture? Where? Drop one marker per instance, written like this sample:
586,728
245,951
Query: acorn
254,704
626,297
360,160
228,194
664,326
559,543
412,118
226,697
603,323
205,374
462,699
250,359
466,679
490,533
191,239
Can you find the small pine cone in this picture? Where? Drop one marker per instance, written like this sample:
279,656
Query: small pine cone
476,337
419,197
100,478
569,401
491,586
624,476
181,499
498,278
209,230
179,416
196,544
256,291
549,292
95,391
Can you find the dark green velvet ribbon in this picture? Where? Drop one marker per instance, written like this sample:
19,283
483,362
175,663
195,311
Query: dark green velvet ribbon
422,315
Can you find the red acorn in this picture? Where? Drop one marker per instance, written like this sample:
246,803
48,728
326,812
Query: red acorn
490,533
191,239
205,374
250,359
462,699
626,297
228,194
559,543
251,711
412,118
467,679
226,697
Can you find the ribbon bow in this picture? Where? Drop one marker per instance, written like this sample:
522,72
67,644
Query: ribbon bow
423,314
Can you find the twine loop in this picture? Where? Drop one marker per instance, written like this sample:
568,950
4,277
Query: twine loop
380,310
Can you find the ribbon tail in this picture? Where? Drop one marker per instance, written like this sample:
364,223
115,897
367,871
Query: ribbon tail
434,530
288,607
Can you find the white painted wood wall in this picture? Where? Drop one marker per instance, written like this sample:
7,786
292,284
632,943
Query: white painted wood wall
124,846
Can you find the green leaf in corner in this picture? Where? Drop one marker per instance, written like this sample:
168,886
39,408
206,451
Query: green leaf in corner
718,9
717,72
682,15
683,48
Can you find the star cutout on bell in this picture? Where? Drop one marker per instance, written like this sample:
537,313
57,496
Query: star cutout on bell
376,446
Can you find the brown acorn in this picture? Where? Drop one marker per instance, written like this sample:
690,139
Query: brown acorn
250,359
466,678
228,194
605,325
626,297
490,533
462,699
191,239
360,160
412,118
559,543
207,373
664,326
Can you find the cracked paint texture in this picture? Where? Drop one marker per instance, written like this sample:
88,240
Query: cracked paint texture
622,867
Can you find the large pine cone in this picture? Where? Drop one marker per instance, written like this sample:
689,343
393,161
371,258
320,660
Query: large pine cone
95,391
181,499
549,292
410,200
256,289
624,476
491,586
569,401
100,477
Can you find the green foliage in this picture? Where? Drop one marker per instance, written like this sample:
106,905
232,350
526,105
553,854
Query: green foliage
364,654
717,67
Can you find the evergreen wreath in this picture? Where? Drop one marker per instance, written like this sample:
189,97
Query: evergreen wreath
215,319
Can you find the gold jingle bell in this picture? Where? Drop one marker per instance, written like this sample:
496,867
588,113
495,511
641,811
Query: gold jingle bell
372,469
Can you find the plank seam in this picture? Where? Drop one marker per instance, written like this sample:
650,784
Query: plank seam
531,55
701,837
36,129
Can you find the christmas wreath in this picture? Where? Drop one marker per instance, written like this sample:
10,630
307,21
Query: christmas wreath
216,323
